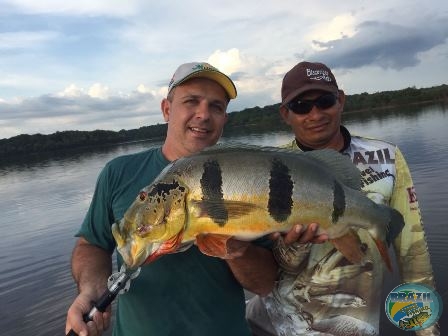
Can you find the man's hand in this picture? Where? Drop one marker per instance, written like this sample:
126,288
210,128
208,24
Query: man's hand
82,305
302,235
292,248
91,267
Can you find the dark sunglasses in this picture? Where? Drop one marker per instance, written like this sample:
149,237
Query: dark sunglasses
304,106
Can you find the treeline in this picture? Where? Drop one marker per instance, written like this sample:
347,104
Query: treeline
387,99
259,118
39,143
268,118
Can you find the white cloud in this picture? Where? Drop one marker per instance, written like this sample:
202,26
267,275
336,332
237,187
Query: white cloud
98,90
143,89
227,61
341,26
71,91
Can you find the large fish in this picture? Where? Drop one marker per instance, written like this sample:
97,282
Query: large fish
247,192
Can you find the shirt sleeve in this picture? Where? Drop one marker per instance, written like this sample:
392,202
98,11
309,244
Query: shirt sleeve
410,246
96,227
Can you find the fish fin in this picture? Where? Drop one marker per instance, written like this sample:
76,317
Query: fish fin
340,165
384,253
169,246
222,210
237,209
213,245
234,146
350,246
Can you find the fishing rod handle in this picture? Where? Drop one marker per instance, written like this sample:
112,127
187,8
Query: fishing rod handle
101,306
117,282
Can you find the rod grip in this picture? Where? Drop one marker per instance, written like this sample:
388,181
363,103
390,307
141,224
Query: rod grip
101,305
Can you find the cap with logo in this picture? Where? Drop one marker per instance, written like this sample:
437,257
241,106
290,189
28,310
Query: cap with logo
306,76
202,70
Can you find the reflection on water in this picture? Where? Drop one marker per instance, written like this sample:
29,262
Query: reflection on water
43,201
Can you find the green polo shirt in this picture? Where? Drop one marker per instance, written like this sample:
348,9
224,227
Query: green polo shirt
185,293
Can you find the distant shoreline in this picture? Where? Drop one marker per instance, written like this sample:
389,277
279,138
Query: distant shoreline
391,106
257,118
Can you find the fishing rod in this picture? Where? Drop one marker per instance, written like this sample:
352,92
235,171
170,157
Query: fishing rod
118,283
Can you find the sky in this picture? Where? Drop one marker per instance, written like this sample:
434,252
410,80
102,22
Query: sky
106,64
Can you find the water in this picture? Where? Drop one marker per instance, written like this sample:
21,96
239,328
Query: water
43,201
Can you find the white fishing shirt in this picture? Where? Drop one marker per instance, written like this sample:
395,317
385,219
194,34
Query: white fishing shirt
319,292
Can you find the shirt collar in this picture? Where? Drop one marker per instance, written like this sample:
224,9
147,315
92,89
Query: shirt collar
345,134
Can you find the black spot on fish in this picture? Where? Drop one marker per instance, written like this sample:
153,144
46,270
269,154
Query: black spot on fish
163,189
338,202
280,191
212,194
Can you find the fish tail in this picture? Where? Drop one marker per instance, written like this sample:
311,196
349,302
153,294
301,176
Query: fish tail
393,223
392,220
395,226
384,253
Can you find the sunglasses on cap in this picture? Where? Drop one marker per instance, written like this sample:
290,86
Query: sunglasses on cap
304,106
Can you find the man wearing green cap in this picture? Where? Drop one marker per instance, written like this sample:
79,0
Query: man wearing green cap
185,293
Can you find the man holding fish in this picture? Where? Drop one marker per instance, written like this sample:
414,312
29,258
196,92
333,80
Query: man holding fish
320,291
185,293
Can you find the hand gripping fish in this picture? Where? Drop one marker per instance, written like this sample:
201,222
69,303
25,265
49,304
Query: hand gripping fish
247,192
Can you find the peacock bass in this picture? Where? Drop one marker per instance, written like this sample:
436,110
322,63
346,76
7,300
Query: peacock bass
247,192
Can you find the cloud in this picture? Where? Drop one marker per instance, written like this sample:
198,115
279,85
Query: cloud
71,91
99,91
382,44
340,26
130,49
227,61
78,109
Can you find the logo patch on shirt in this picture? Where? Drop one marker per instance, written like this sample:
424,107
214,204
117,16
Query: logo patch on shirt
370,175
373,157
413,306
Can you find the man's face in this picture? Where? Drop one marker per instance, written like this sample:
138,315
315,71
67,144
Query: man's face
318,128
196,114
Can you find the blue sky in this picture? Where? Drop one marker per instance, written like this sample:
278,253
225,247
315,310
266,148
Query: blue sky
106,64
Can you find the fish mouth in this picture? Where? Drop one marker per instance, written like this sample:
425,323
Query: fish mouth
133,256
130,260
136,260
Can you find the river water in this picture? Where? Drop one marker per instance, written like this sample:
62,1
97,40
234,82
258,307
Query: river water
43,201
